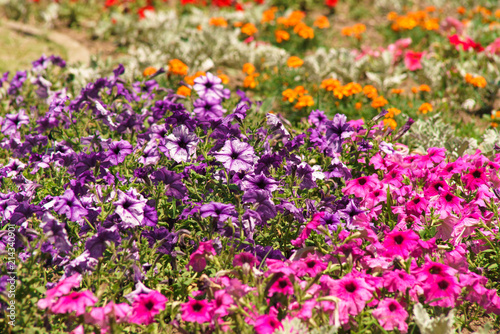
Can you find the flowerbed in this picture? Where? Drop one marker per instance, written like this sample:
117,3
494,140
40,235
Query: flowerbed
228,193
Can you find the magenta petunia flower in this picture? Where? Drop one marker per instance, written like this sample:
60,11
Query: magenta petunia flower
400,243
101,316
198,260
361,186
266,324
221,302
236,155
76,301
443,291
245,258
355,292
475,178
196,311
62,288
282,285
413,59
390,314
146,306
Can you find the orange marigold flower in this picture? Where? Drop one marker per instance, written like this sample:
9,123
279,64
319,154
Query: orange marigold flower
268,15
248,68
238,24
330,84
392,112
397,91
304,31
294,62
405,23
322,22
478,81
293,19
424,88
379,102
249,29
176,66
300,90
289,95
353,88
356,30
414,90
224,78
431,24
425,108
494,125
392,16
370,91
184,91
430,9
390,123
461,10
497,13
281,35
190,78
358,105
218,22
250,82
149,71
339,92
304,101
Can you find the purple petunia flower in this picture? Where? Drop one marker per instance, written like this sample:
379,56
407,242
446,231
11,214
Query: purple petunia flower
259,182
172,181
210,85
208,108
236,155
96,245
68,204
13,122
55,232
337,130
181,144
220,211
265,207
166,239
118,150
130,208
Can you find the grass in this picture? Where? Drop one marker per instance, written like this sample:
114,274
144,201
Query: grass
19,50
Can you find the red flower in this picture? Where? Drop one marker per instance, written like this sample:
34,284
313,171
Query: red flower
331,3
142,11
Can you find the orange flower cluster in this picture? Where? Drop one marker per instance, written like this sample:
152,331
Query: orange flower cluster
379,102
300,94
322,22
425,108
389,121
349,89
281,35
249,70
412,20
249,29
148,71
175,66
330,84
294,62
356,30
421,88
268,15
295,20
495,116
478,81
218,22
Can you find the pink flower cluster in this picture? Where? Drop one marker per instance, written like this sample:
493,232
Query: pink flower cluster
60,300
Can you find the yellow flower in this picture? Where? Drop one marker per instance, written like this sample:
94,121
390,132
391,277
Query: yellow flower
249,29
390,123
184,91
218,22
248,68
149,71
294,62
322,22
425,108
379,102
281,35
304,101
176,66
330,84
392,112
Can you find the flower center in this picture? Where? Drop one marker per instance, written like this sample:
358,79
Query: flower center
476,174
362,181
443,285
448,197
399,239
350,287
393,307
149,305
197,307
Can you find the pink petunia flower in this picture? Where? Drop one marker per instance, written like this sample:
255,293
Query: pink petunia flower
390,314
197,260
62,288
400,243
76,301
413,60
361,186
146,306
443,291
196,311
354,291
282,285
267,324
465,42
